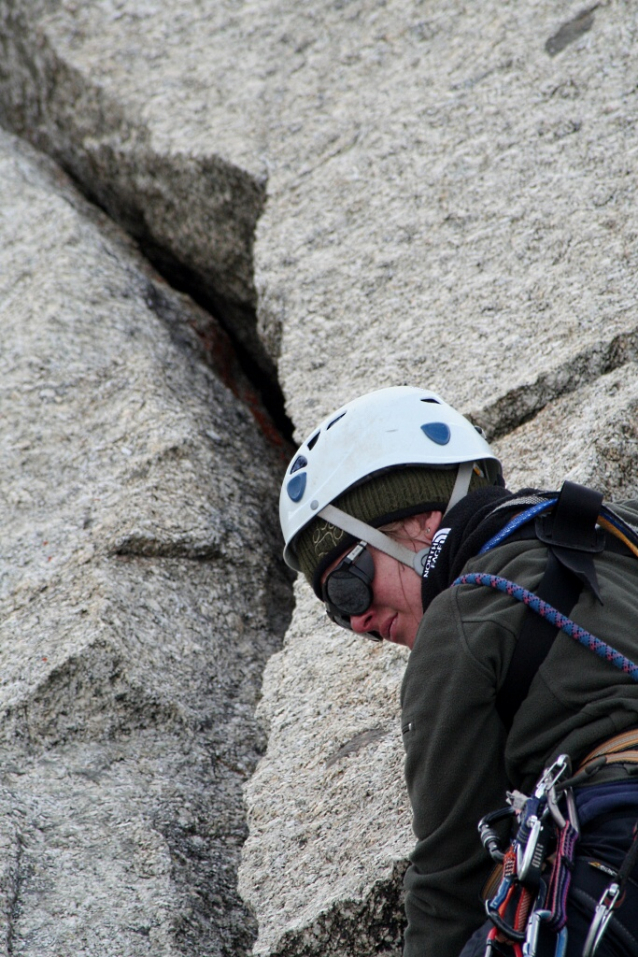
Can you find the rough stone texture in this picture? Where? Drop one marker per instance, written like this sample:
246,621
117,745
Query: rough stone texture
329,820
459,175
123,97
137,611
454,205
444,193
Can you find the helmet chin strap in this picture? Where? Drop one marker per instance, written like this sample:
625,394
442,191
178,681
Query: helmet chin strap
366,533
374,537
461,485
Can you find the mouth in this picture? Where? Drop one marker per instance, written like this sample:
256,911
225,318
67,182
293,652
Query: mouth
389,629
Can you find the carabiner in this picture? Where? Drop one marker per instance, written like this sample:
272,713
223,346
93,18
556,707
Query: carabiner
530,862
489,838
551,775
561,943
602,915
533,927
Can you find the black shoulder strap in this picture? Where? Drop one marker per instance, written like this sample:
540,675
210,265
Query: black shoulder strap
572,537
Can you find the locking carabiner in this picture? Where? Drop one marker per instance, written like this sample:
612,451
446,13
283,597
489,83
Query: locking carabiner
489,838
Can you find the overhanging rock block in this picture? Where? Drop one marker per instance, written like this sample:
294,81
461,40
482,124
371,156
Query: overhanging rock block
138,598
453,182
589,436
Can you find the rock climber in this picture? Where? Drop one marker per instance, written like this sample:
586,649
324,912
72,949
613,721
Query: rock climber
520,696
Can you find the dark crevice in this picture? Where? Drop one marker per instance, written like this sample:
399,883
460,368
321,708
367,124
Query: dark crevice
146,546
240,362
186,197
257,367
571,31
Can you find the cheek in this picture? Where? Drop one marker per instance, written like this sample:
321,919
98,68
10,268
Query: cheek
411,593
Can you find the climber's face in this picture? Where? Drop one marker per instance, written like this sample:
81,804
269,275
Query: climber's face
392,589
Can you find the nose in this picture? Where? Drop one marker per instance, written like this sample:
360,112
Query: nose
362,623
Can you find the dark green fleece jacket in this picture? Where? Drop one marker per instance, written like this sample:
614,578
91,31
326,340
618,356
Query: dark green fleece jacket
459,759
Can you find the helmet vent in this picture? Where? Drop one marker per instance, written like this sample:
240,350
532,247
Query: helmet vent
334,421
433,401
297,486
437,432
313,441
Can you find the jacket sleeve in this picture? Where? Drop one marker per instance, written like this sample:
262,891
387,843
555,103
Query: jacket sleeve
455,774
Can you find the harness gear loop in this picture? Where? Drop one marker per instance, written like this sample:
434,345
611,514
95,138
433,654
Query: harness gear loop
525,897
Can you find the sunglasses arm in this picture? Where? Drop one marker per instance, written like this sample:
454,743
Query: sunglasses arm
372,536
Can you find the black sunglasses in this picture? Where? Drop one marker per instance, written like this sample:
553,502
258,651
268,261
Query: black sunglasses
347,590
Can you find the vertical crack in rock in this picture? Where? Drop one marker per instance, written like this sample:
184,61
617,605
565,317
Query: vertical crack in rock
141,589
193,213
254,382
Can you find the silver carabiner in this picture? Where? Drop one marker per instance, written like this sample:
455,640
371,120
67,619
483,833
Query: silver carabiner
572,813
601,918
551,775
526,854
561,943
552,804
533,927
572,816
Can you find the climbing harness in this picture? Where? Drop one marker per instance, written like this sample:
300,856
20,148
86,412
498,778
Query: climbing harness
528,899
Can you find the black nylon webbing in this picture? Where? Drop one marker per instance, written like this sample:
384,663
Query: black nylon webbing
561,589
571,530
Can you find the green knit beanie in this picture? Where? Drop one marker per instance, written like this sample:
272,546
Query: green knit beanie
384,498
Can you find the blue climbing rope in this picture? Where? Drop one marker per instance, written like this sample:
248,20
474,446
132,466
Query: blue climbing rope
542,608
516,522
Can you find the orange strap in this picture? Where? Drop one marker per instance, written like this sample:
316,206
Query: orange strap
621,748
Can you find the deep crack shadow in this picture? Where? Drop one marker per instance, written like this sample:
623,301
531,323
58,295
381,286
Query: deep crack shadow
257,366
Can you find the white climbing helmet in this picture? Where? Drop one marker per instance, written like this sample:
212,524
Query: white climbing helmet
390,428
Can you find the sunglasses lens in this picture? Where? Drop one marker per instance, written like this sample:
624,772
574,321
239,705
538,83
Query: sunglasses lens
347,590
350,595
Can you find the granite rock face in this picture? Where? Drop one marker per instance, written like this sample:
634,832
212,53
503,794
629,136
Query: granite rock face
370,193
137,611
123,98
461,211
